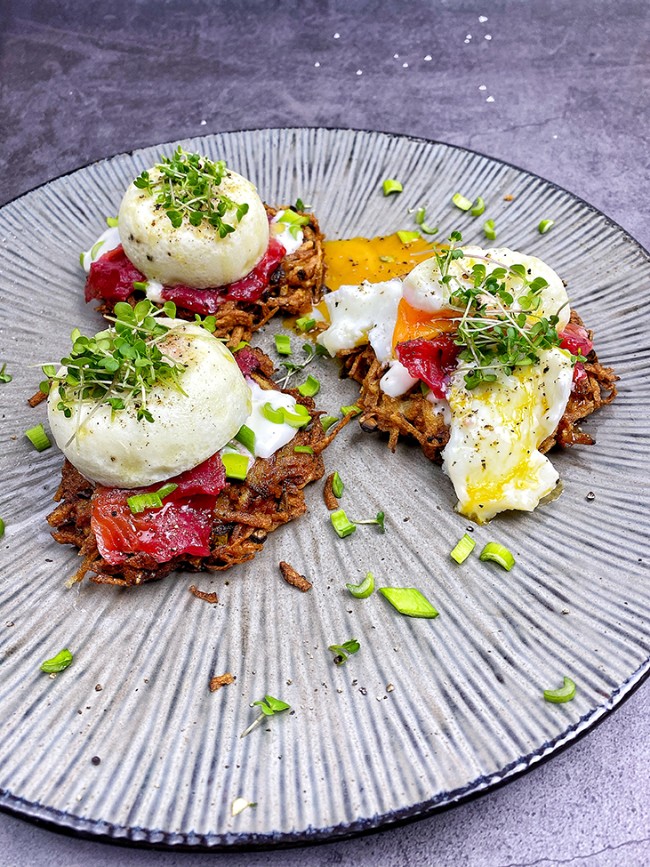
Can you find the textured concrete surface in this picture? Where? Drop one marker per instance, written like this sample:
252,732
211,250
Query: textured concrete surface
559,87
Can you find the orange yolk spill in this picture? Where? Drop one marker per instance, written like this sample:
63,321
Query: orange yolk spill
413,323
354,260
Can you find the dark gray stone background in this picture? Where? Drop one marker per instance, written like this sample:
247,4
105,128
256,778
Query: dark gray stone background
569,83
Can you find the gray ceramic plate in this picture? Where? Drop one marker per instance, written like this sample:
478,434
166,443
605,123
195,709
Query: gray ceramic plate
465,710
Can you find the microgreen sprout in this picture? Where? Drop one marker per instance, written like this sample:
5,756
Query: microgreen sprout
492,334
378,521
186,186
118,367
292,367
269,707
343,651
4,376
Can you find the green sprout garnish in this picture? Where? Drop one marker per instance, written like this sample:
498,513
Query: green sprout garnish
342,651
119,366
492,335
269,707
4,376
187,186
292,367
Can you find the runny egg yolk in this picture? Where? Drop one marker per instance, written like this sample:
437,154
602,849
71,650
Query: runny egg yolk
412,323
353,260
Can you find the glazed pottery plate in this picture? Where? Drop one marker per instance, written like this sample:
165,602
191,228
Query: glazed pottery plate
129,744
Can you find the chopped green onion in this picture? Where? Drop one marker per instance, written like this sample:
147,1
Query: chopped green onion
342,524
408,237
478,208
344,650
305,323
564,693
463,549
273,415
58,663
386,258
352,408
390,185
429,230
303,450
94,250
236,465
240,345
420,214
337,485
498,554
544,226
38,438
327,421
293,219
2,528
152,500
297,419
310,387
364,589
111,222
140,285
246,437
489,230
282,344
409,601
461,202
5,377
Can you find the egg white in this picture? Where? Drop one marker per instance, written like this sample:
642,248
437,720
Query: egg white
193,255
492,456
116,449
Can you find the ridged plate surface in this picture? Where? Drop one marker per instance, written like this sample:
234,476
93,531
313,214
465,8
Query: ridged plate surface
465,710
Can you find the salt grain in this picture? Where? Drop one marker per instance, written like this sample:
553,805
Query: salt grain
396,56
482,18
317,64
487,36
428,57
359,71
482,87
337,36
490,99
405,66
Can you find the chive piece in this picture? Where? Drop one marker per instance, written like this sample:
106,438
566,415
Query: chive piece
303,450
478,207
327,421
364,589
4,376
408,237
38,438
111,222
544,226
337,485
140,285
58,663
352,408
564,693
282,344
390,185
409,601
461,202
420,214
344,650
386,259
166,490
2,528
429,230
342,524
246,437
310,387
273,415
297,419
94,250
240,345
489,230
235,465
463,549
498,554
151,500
292,219
305,323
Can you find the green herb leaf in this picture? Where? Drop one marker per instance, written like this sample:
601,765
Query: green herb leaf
379,521
343,651
58,663
409,601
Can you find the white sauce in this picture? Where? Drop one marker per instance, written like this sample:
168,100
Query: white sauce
291,241
108,240
269,437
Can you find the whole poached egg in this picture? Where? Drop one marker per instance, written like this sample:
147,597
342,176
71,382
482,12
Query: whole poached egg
496,428
116,449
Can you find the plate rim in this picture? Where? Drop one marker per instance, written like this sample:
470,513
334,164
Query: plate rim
123,835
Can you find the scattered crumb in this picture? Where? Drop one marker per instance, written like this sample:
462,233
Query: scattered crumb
240,804
389,687
219,681
428,57
508,198
487,36
291,576
490,99
37,398
328,494
98,687
95,760
359,71
201,594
